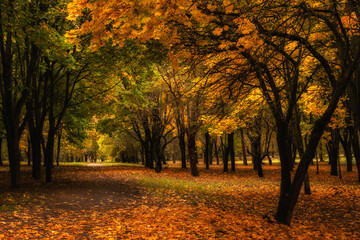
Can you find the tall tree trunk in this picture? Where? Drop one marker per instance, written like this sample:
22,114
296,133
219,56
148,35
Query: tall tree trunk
49,149
225,153
256,153
317,164
346,144
155,152
243,147
1,158
12,99
333,151
321,154
207,149
59,147
182,145
35,136
231,150
216,152
28,152
300,147
356,149
13,142
285,161
49,155
191,134
288,201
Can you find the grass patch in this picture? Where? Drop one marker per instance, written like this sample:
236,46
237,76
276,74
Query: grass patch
100,164
10,202
192,191
8,208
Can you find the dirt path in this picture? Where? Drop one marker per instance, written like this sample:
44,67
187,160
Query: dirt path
79,188
80,199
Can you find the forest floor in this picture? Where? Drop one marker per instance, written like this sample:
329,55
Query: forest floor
127,202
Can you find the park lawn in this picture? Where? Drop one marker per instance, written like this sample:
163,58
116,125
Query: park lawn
131,202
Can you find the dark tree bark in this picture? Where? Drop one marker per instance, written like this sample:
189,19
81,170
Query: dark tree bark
333,151
243,147
231,151
14,90
346,144
191,135
155,149
59,147
49,149
149,161
1,158
255,153
181,136
321,154
286,206
225,152
317,164
207,154
216,152
182,145
356,150
28,151
300,146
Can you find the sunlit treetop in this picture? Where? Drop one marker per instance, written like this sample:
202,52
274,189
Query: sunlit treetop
168,21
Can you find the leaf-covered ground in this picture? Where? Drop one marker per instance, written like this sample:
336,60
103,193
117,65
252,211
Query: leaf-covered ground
119,202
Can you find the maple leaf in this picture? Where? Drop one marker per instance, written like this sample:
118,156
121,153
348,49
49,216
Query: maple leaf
217,31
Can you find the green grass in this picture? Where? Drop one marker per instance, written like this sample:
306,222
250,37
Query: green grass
8,208
11,201
190,190
106,163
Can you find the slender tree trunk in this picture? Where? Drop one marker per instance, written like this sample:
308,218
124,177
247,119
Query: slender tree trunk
243,147
321,154
59,147
35,136
191,134
339,165
346,144
333,151
28,152
269,158
211,148
149,161
49,149
1,158
12,106
356,149
207,149
317,165
14,155
182,145
225,153
300,146
256,153
155,152
216,152
282,213
231,150
49,155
